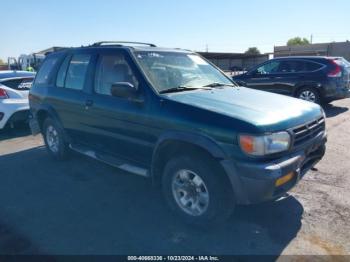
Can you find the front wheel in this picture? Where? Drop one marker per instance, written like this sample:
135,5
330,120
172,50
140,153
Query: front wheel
309,94
54,139
196,190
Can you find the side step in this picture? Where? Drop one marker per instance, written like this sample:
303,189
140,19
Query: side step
111,160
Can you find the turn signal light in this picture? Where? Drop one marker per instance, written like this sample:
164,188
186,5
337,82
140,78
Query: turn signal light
282,180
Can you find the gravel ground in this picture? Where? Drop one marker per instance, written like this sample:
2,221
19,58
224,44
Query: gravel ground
81,206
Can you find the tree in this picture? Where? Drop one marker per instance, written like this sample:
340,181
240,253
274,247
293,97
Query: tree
298,41
2,62
252,51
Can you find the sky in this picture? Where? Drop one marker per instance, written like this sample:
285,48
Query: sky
219,25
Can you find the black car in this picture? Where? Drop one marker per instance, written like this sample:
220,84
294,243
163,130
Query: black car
171,116
312,78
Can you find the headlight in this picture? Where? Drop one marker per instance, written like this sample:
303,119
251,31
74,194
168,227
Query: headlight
266,144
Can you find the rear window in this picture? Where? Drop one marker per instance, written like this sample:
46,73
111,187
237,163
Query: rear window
21,84
342,62
43,75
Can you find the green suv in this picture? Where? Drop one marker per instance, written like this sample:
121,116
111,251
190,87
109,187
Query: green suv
171,116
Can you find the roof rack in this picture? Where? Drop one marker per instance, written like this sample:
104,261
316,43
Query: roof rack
121,43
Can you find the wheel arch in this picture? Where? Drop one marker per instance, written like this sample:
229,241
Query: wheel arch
173,143
313,85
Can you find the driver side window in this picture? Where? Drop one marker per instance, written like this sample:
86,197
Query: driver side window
112,69
268,68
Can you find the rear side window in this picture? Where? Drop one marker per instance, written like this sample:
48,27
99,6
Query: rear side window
77,71
311,66
62,73
43,76
298,66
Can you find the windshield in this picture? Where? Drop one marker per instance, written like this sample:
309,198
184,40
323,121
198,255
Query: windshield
172,70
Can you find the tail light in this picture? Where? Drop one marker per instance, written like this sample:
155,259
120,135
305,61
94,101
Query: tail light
336,71
3,94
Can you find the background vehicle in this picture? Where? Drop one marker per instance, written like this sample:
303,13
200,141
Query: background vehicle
171,116
315,79
14,89
26,61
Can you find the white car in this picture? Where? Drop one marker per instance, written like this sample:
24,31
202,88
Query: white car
14,89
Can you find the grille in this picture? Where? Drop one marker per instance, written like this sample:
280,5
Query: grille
308,131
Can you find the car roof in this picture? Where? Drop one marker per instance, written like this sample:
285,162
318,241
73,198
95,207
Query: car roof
306,57
15,73
133,48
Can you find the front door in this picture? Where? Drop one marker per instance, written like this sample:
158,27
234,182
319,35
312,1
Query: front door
118,125
263,77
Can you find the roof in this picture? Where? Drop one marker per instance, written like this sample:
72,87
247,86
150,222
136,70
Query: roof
306,57
13,73
220,55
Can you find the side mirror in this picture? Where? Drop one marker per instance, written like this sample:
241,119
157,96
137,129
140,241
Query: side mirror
123,89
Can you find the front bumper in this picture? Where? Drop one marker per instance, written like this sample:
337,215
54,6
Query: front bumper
256,182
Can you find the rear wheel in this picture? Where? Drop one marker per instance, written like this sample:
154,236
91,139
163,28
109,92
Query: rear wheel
309,94
54,139
196,190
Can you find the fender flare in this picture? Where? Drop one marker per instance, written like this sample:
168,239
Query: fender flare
204,142
51,112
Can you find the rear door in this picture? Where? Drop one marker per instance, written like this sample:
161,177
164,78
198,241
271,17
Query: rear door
293,73
68,96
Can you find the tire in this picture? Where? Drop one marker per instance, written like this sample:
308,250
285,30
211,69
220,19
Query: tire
55,141
220,204
309,94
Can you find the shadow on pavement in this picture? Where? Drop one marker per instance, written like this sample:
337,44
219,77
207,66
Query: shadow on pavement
18,130
332,110
81,206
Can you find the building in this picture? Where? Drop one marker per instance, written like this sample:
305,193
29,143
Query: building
325,49
234,61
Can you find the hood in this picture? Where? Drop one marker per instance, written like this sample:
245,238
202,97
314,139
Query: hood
269,111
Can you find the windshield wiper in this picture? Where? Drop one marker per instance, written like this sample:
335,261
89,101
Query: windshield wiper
180,89
217,84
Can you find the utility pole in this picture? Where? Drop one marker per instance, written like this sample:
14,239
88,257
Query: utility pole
311,38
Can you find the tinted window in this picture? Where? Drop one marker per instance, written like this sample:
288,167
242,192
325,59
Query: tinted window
311,66
61,76
268,68
112,69
19,84
44,73
77,71
291,66
297,66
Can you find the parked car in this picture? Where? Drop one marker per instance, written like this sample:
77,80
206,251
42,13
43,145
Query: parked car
171,116
14,88
312,78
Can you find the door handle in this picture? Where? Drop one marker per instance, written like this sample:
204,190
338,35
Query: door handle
88,103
